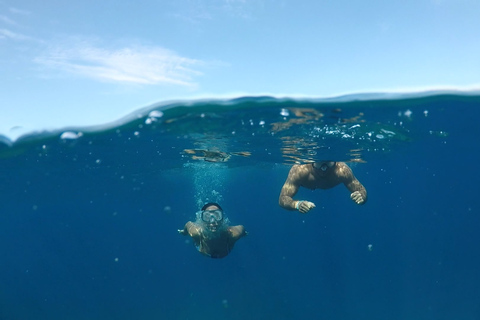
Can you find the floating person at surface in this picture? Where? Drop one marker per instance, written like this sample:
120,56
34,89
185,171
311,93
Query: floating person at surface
211,233
319,175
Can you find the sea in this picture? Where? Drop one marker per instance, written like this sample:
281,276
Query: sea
89,215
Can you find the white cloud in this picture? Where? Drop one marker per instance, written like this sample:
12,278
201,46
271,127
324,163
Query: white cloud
7,20
137,64
7,34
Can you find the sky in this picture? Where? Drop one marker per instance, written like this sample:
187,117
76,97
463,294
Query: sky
90,62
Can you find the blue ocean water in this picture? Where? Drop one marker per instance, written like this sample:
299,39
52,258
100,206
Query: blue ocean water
89,216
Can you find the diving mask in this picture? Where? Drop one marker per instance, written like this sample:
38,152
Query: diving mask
211,216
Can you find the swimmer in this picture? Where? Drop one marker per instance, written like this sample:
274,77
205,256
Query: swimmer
211,233
319,175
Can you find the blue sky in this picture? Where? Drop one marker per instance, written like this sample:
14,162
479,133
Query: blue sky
78,63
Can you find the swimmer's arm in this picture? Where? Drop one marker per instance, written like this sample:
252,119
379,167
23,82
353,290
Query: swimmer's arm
290,189
354,186
190,229
237,232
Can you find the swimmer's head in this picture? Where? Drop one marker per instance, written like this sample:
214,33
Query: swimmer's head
212,206
212,216
324,165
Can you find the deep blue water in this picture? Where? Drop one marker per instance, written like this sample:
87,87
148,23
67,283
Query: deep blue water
88,223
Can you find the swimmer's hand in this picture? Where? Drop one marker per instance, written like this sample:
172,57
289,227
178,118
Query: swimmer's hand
357,197
304,206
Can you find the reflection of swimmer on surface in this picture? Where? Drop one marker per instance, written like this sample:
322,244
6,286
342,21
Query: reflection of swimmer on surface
211,233
319,175
208,155
213,155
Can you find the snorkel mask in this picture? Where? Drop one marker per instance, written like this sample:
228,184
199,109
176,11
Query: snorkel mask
324,165
212,218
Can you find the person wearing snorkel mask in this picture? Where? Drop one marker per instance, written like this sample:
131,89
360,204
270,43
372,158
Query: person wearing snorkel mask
211,233
319,175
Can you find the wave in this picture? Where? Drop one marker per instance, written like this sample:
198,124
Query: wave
262,127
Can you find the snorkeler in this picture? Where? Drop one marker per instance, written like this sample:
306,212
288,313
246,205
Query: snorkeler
319,175
211,233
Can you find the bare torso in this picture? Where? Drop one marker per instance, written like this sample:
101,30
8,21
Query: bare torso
307,176
214,244
312,179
